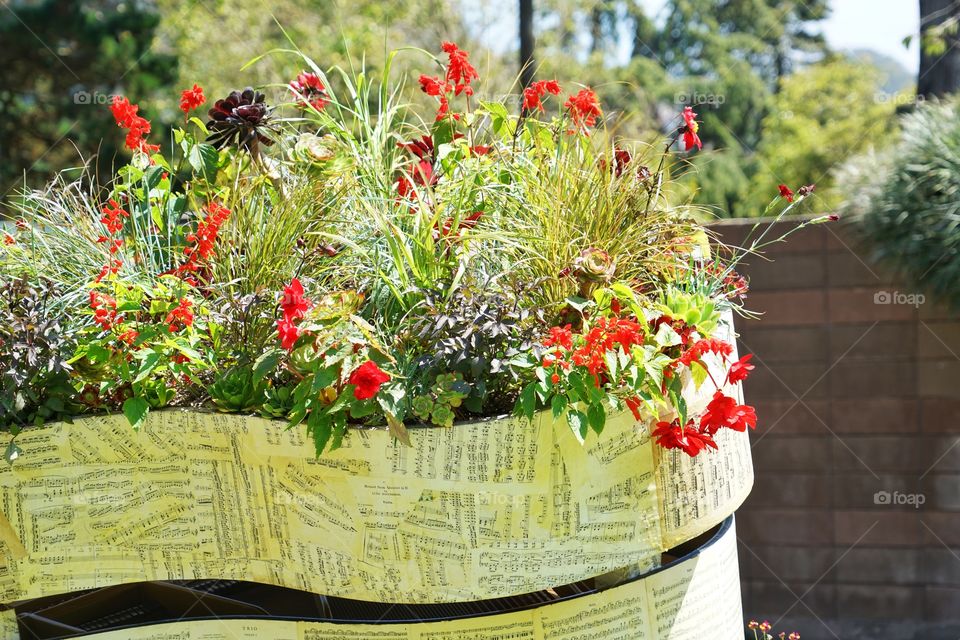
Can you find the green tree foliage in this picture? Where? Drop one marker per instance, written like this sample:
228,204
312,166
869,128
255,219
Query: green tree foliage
822,115
904,202
60,60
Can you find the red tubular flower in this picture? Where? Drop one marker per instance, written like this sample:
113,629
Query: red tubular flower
460,73
128,336
670,435
560,337
584,109
104,309
367,379
634,403
309,89
785,192
137,126
533,95
181,316
112,218
690,129
8,239
740,369
201,244
432,86
723,411
190,99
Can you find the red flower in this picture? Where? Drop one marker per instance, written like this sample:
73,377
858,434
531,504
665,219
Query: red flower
104,309
112,218
634,403
8,239
190,99
202,243
723,411
432,86
560,337
480,150
533,95
293,303
584,109
690,129
310,90
670,435
288,332
740,369
785,192
137,126
459,71
806,190
367,379
181,316
128,336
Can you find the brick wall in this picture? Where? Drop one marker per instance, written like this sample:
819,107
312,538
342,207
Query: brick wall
854,397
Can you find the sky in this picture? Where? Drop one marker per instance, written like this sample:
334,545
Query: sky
880,25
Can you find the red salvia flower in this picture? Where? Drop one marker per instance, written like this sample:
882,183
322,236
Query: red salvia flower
723,411
137,126
460,73
190,99
8,239
202,243
670,435
104,309
533,95
367,379
129,336
310,90
584,109
740,369
690,129
560,337
785,192
432,86
112,219
181,316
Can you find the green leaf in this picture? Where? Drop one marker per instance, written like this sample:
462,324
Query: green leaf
578,422
698,372
205,160
12,453
397,429
558,405
596,417
320,429
527,402
136,410
149,363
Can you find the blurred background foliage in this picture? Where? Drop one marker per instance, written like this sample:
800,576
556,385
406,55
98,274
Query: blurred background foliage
777,105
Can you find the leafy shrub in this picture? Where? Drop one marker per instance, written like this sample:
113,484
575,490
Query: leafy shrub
905,204
34,350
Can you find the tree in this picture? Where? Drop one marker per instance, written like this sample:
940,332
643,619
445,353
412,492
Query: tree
822,116
940,48
527,43
59,63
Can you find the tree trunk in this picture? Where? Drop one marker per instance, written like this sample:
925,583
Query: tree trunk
939,72
527,61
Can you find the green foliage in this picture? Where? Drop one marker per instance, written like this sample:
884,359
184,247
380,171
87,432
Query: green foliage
822,115
34,386
904,203
61,60
238,390
439,404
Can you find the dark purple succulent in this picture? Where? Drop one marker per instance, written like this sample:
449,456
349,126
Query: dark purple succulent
242,119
